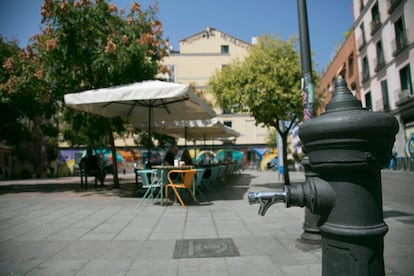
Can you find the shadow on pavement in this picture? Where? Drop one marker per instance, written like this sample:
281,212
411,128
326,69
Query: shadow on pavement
235,189
127,188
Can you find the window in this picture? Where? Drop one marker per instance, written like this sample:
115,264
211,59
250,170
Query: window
376,22
227,111
361,40
342,73
384,90
361,5
365,69
363,33
228,123
400,36
368,100
392,4
375,12
405,80
380,56
351,65
224,49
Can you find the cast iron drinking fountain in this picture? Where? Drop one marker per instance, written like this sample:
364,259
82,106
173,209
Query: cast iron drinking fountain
347,145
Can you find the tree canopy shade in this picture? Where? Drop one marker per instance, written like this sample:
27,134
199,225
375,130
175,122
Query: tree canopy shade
267,83
95,45
27,107
86,45
9,102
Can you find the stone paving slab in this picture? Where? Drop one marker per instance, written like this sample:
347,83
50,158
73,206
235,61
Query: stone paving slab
104,232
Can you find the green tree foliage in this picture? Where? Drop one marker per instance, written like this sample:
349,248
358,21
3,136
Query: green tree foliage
27,106
84,45
268,83
92,45
10,112
88,45
271,138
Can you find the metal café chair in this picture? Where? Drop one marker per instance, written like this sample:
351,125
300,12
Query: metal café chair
151,182
199,182
186,182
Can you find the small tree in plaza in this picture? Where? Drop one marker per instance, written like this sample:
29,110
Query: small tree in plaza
267,84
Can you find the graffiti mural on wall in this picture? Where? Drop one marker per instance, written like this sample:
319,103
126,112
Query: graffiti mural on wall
68,159
410,146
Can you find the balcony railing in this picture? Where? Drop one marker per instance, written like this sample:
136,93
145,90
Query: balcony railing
365,77
392,5
379,64
404,95
375,26
399,44
361,43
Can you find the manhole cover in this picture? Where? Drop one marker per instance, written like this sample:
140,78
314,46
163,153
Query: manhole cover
205,248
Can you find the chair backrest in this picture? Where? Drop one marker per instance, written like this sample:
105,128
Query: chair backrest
187,177
215,170
199,175
146,182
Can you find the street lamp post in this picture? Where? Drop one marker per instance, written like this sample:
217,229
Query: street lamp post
305,59
311,234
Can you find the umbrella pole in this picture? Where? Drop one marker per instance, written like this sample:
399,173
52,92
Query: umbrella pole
185,137
195,150
149,136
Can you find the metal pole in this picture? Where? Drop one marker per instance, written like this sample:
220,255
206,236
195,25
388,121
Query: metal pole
185,135
149,136
311,233
280,152
305,59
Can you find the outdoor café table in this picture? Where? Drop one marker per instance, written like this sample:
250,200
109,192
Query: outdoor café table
163,170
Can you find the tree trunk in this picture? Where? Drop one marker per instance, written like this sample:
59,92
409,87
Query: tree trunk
40,150
285,163
114,161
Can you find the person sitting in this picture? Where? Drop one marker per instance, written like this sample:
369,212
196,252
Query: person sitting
186,157
89,165
170,156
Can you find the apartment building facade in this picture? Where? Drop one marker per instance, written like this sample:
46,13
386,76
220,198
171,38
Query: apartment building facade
384,34
344,64
198,58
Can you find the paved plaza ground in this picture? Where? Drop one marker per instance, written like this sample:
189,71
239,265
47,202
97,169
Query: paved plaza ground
54,227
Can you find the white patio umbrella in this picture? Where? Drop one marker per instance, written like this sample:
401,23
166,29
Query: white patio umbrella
143,102
208,129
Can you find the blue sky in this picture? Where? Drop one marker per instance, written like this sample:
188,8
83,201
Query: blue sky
328,20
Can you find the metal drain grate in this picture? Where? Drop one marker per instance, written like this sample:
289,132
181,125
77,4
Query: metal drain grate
205,248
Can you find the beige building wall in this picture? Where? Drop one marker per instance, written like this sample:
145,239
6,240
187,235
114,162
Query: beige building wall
198,58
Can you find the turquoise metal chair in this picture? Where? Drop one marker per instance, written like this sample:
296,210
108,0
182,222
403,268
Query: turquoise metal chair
198,182
151,183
